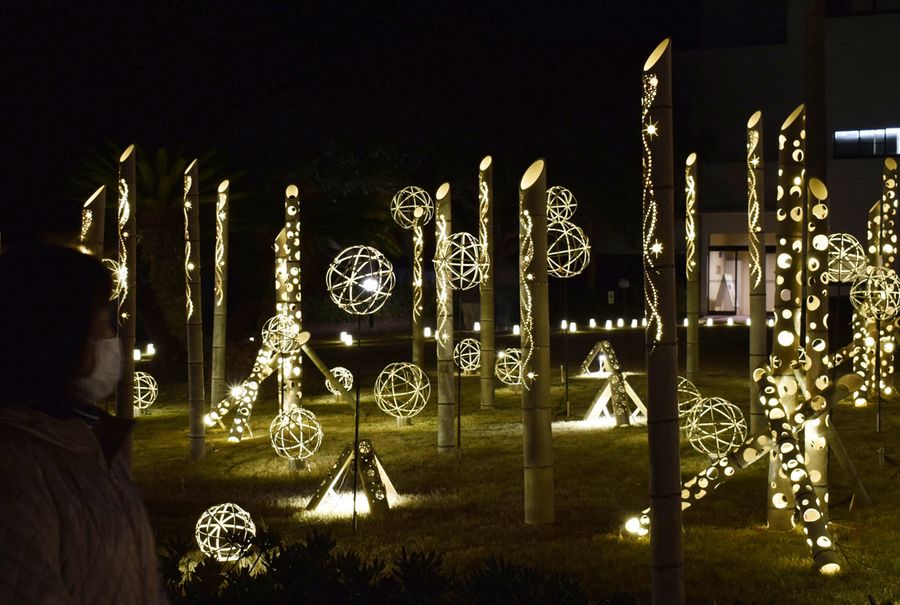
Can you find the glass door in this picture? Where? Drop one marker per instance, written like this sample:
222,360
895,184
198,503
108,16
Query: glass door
721,284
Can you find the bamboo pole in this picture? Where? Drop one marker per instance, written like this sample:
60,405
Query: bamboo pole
220,308
486,317
446,441
537,414
788,299
93,222
818,378
125,278
692,268
757,250
418,334
666,558
288,301
194,310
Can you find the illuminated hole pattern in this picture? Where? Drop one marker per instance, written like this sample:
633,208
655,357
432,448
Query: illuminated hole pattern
754,225
224,532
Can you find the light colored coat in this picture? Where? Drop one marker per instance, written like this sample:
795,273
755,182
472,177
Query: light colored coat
73,528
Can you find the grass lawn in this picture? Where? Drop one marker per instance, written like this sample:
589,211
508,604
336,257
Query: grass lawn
469,506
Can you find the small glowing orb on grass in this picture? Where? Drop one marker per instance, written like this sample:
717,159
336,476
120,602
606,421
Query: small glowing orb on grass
224,531
568,249
508,367
281,333
145,390
876,294
360,280
343,376
402,390
688,397
846,258
561,204
410,205
460,260
715,427
467,354
295,434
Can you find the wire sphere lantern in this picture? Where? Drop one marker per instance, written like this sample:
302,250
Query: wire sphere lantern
467,354
715,427
846,258
876,294
281,334
224,531
461,260
561,204
508,367
402,390
343,376
295,434
360,280
568,249
145,390
412,205
688,397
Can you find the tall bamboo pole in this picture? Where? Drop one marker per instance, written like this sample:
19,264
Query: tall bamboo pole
815,446
791,200
666,558
446,441
691,186
418,334
288,302
756,246
125,285
93,221
194,310
220,309
537,414
486,318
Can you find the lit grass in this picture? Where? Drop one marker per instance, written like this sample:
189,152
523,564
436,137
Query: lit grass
469,506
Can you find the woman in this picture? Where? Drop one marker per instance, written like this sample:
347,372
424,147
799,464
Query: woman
73,528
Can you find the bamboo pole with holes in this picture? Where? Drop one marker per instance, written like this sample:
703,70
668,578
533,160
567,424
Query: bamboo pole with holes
486,317
692,267
93,222
194,311
125,284
756,247
443,338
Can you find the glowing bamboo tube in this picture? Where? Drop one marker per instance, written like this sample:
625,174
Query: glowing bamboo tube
125,278
194,310
486,238
537,413
446,424
817,374
666,558
691,187
418,335
93,221
220,308
788,297
288,301
757,249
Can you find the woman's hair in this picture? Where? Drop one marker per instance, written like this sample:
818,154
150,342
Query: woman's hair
49,296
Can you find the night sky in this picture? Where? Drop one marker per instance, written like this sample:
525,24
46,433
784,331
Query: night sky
264,83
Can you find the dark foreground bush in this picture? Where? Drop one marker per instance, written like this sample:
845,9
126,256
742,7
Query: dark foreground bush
313,572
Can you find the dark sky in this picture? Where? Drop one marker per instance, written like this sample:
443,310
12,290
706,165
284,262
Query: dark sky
266,81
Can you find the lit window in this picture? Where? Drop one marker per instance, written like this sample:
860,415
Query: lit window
876,142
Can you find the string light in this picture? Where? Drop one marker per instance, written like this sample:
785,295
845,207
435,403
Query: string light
652,247
526,279
754,226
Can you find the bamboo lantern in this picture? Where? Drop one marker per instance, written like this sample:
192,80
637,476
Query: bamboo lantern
486,317
194,310
446,441
125,283
537,413
757,249
691,187
93,221
287,303
666,559
817,374
788,298
220,308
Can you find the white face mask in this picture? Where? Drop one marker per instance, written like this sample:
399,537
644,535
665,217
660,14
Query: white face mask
101,382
